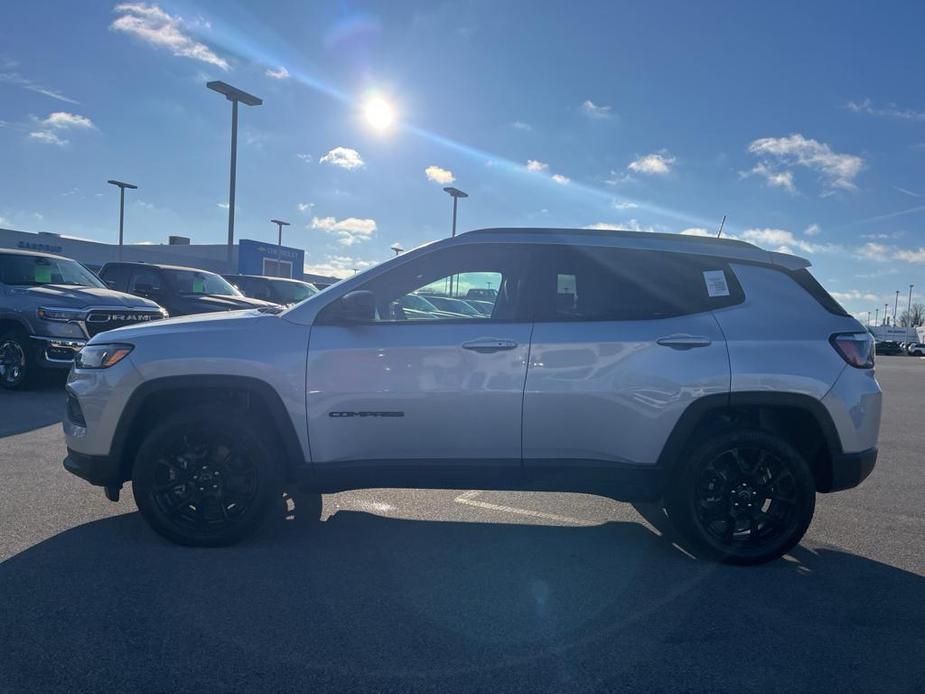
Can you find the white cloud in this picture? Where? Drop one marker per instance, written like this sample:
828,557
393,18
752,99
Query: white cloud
338,266
812,230
48,138
61,120
774,178
560,179
623,205
889,111
874,251
223,205
348,231
520,125
280,73
534,165
603,226
655,164
442,176
153,25
854,295
783,241
307,158
304,207
906,191
912,256
630,225
592,110
344,157
837,170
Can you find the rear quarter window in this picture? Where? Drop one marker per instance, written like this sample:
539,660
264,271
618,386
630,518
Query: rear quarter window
811,285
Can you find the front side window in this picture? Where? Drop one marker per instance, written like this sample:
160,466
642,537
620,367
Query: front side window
291,292
435,287
145,280
614,284
200,282
33,270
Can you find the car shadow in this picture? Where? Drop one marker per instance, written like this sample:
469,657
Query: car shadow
38,407
362,602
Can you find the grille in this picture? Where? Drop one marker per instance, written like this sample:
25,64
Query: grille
100,321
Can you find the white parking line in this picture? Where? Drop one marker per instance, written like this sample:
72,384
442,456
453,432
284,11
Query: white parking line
469,500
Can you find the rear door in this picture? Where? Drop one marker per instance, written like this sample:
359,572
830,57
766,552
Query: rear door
422,386
623,341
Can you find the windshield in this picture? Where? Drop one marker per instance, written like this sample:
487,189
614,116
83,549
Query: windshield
200,282
32,270
293,292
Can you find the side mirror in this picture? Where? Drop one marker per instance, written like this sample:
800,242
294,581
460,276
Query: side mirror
358,306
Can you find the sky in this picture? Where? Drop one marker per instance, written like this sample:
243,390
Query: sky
803,123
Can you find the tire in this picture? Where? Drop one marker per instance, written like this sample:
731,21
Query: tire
744,497
17,360
206,480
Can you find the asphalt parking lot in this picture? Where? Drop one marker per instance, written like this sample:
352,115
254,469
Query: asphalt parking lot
446,591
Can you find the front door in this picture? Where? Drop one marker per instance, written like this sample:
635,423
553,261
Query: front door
422,383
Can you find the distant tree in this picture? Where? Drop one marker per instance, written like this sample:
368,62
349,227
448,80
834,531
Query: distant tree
914,317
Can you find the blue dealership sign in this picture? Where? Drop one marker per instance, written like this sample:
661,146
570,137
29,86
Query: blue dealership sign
259,258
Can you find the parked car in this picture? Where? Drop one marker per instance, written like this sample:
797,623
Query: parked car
181,290
277,290
888,347
457,306
482,294
712,379
49,307
916,349
483,307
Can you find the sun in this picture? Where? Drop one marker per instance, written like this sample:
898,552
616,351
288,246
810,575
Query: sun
379,113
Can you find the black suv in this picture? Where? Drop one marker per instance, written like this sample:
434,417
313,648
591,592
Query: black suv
181,290
279,290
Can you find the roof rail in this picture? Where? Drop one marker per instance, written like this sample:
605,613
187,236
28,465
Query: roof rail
611,232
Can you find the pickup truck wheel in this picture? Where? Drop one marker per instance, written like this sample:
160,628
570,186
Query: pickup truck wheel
205,480
17,361
743,497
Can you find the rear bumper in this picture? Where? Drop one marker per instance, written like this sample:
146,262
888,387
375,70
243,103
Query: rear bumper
850,469
99,470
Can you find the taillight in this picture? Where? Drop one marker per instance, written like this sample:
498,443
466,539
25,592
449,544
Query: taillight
855,348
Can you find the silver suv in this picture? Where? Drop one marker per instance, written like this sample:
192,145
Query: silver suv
49,307
709,379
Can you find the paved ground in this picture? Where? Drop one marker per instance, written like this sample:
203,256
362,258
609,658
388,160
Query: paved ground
443,591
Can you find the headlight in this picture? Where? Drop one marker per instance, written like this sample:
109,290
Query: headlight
101,356
164,313
59,314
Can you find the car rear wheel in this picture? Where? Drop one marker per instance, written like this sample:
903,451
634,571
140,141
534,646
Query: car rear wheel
744,497
17,361
206,480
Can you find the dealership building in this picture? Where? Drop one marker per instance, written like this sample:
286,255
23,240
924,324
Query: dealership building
249,257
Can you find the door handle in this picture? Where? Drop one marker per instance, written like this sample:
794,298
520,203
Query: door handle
684,341
489,344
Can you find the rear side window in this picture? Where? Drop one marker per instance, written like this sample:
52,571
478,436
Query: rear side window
612,284
810,284
115,276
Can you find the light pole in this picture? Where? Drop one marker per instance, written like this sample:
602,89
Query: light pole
876,315
456,194
895,306
122,185
868,319
279,246
886,308
397,248
909,306
233,95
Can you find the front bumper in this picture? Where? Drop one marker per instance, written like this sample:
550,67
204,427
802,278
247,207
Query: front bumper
850,469
99,470
57,352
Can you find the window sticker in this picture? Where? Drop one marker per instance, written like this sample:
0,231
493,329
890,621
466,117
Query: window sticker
199,285
42,274
716,282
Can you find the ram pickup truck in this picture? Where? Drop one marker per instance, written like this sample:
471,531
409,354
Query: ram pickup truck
49,307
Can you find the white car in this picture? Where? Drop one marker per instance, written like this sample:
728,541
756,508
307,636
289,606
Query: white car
916,349
715,378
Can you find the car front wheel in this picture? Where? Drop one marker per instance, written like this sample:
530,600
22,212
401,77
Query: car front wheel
743,497
206,480
17,363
